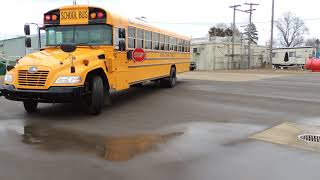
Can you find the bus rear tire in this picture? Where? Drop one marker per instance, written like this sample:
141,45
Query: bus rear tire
171,81
30,106
95,100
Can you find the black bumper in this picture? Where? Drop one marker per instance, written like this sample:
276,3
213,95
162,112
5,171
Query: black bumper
52,95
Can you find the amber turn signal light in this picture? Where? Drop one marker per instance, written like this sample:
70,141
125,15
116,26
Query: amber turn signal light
54,17
93,15
86,62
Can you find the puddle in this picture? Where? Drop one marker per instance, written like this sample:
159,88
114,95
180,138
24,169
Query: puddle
55,139
15,125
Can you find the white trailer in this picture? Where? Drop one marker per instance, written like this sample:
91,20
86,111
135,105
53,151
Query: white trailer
296,56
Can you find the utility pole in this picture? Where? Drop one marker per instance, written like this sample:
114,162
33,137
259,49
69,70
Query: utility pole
233,29
241,50
250,22
271,39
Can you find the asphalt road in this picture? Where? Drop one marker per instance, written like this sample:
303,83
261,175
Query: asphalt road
198,130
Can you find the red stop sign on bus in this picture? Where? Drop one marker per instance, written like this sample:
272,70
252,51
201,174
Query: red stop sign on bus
138,54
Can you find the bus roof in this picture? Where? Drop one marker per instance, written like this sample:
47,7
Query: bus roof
141,24
118,20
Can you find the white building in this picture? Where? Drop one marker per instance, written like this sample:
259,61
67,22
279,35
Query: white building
296,56
216,53
12,49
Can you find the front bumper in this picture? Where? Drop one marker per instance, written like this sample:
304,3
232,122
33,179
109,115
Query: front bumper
52,95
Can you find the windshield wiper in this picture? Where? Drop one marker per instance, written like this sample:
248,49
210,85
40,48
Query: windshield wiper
79,44
57,45
85,44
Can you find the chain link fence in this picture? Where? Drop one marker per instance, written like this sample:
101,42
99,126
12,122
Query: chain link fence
240,62
219,57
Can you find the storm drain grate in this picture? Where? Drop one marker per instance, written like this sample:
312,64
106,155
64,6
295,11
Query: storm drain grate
310,138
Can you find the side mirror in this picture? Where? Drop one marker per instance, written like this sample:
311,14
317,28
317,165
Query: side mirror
122,45
27,30
122,33
68,47
27,42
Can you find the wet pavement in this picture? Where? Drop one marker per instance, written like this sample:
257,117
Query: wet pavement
198,130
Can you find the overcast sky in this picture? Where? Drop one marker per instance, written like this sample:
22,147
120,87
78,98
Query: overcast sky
188,17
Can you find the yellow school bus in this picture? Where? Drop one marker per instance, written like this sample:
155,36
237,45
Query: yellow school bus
90,51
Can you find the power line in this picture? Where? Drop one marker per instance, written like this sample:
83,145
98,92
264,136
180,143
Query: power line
211,23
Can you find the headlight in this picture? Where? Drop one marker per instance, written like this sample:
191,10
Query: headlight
8,78
68,80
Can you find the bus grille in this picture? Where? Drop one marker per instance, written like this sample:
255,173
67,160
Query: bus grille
32,79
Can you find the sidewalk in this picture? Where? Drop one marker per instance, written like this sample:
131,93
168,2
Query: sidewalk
238,75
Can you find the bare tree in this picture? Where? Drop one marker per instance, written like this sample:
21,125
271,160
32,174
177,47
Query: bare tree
222,26
312,42
291,30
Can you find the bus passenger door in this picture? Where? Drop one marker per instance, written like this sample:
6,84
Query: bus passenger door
121,61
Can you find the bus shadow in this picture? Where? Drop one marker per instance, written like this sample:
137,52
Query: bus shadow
76,111
131,95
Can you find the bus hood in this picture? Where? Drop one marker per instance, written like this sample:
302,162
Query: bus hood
54,56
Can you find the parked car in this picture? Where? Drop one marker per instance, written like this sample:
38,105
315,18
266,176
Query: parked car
193,66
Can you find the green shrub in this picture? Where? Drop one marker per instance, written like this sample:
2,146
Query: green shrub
2,69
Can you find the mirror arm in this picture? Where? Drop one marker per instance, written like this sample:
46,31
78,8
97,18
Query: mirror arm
39,38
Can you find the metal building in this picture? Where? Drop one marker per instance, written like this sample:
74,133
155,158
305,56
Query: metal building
216,54
13,49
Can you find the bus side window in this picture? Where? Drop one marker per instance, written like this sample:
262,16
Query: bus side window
167,43
183,46
171,48
140,38
116,38
122,39
155,41
179,42
173,44
131,37
161,42
148,40
119,35
186,46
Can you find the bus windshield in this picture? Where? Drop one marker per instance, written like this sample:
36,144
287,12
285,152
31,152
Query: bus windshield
81,35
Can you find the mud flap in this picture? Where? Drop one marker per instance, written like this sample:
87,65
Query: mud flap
107,99
1,94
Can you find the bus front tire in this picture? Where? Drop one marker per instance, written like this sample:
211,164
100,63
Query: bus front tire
171,81
95,100
30,106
